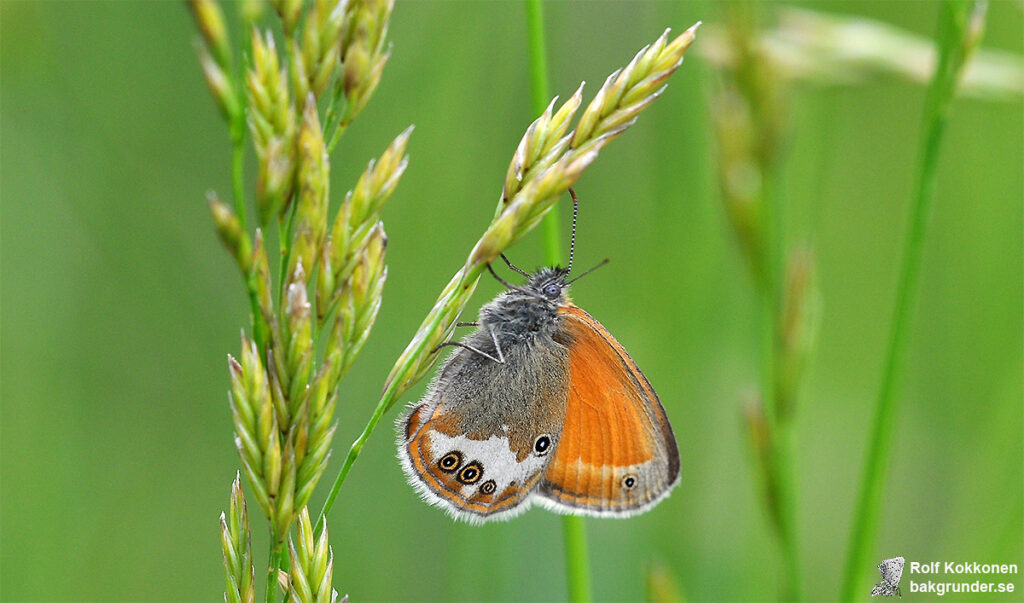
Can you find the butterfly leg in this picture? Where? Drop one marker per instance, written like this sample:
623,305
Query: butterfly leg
467,324
514,267
497,346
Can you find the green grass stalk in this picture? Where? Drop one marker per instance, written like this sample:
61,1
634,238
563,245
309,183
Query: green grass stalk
273,563
574,529
577,562
959,30
539,93
780,455
778,412
238,176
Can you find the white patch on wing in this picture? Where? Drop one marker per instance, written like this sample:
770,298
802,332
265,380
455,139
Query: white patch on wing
494,454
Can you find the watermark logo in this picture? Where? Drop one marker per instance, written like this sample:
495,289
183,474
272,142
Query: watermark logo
892,571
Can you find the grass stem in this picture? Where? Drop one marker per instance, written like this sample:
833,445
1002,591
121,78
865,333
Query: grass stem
577,563
540,95
273,563
385,403
238,177
958,32
778,412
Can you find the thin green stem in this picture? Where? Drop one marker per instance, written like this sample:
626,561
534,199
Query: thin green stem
574,533
272,564
778,415
285,231
336,136
540,96
577,563
357,447
238,174
958,29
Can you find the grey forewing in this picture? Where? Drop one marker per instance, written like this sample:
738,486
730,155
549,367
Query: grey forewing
521,399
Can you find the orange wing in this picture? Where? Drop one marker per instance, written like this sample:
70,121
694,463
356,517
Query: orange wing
617,455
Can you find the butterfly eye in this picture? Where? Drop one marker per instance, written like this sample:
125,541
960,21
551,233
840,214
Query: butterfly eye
552,290
542,445
450,462
488,487
471,473
629,482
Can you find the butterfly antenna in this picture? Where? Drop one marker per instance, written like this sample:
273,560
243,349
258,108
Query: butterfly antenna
512,287
572,241
603,262
514,267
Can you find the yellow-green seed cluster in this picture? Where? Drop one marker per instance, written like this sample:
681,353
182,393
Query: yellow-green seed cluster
295,93
237,548
312,562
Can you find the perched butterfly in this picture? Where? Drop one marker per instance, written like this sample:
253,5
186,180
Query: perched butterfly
892,571
539,404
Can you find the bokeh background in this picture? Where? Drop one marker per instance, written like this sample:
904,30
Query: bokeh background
119,307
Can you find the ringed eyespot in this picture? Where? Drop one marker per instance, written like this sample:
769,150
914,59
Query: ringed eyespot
471,473
541,445
629,482
488,487
450,462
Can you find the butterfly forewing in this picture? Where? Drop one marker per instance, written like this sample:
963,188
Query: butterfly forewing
617,454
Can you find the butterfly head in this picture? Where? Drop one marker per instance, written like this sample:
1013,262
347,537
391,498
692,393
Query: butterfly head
549,284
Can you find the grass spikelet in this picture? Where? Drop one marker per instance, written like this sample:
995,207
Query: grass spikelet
799,315
237,548
300,334
255,424
360,300
219,82
312,190
312,564
364,54
210,21
271,120
230,231
828,49
289,11
544,142
628,91
357,217
320,48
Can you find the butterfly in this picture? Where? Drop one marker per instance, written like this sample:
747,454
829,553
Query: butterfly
892,571
539,405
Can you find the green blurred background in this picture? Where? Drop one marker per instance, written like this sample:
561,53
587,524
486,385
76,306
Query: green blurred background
119,307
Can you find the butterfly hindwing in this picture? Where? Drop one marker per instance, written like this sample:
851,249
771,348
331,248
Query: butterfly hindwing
617,454
480,440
